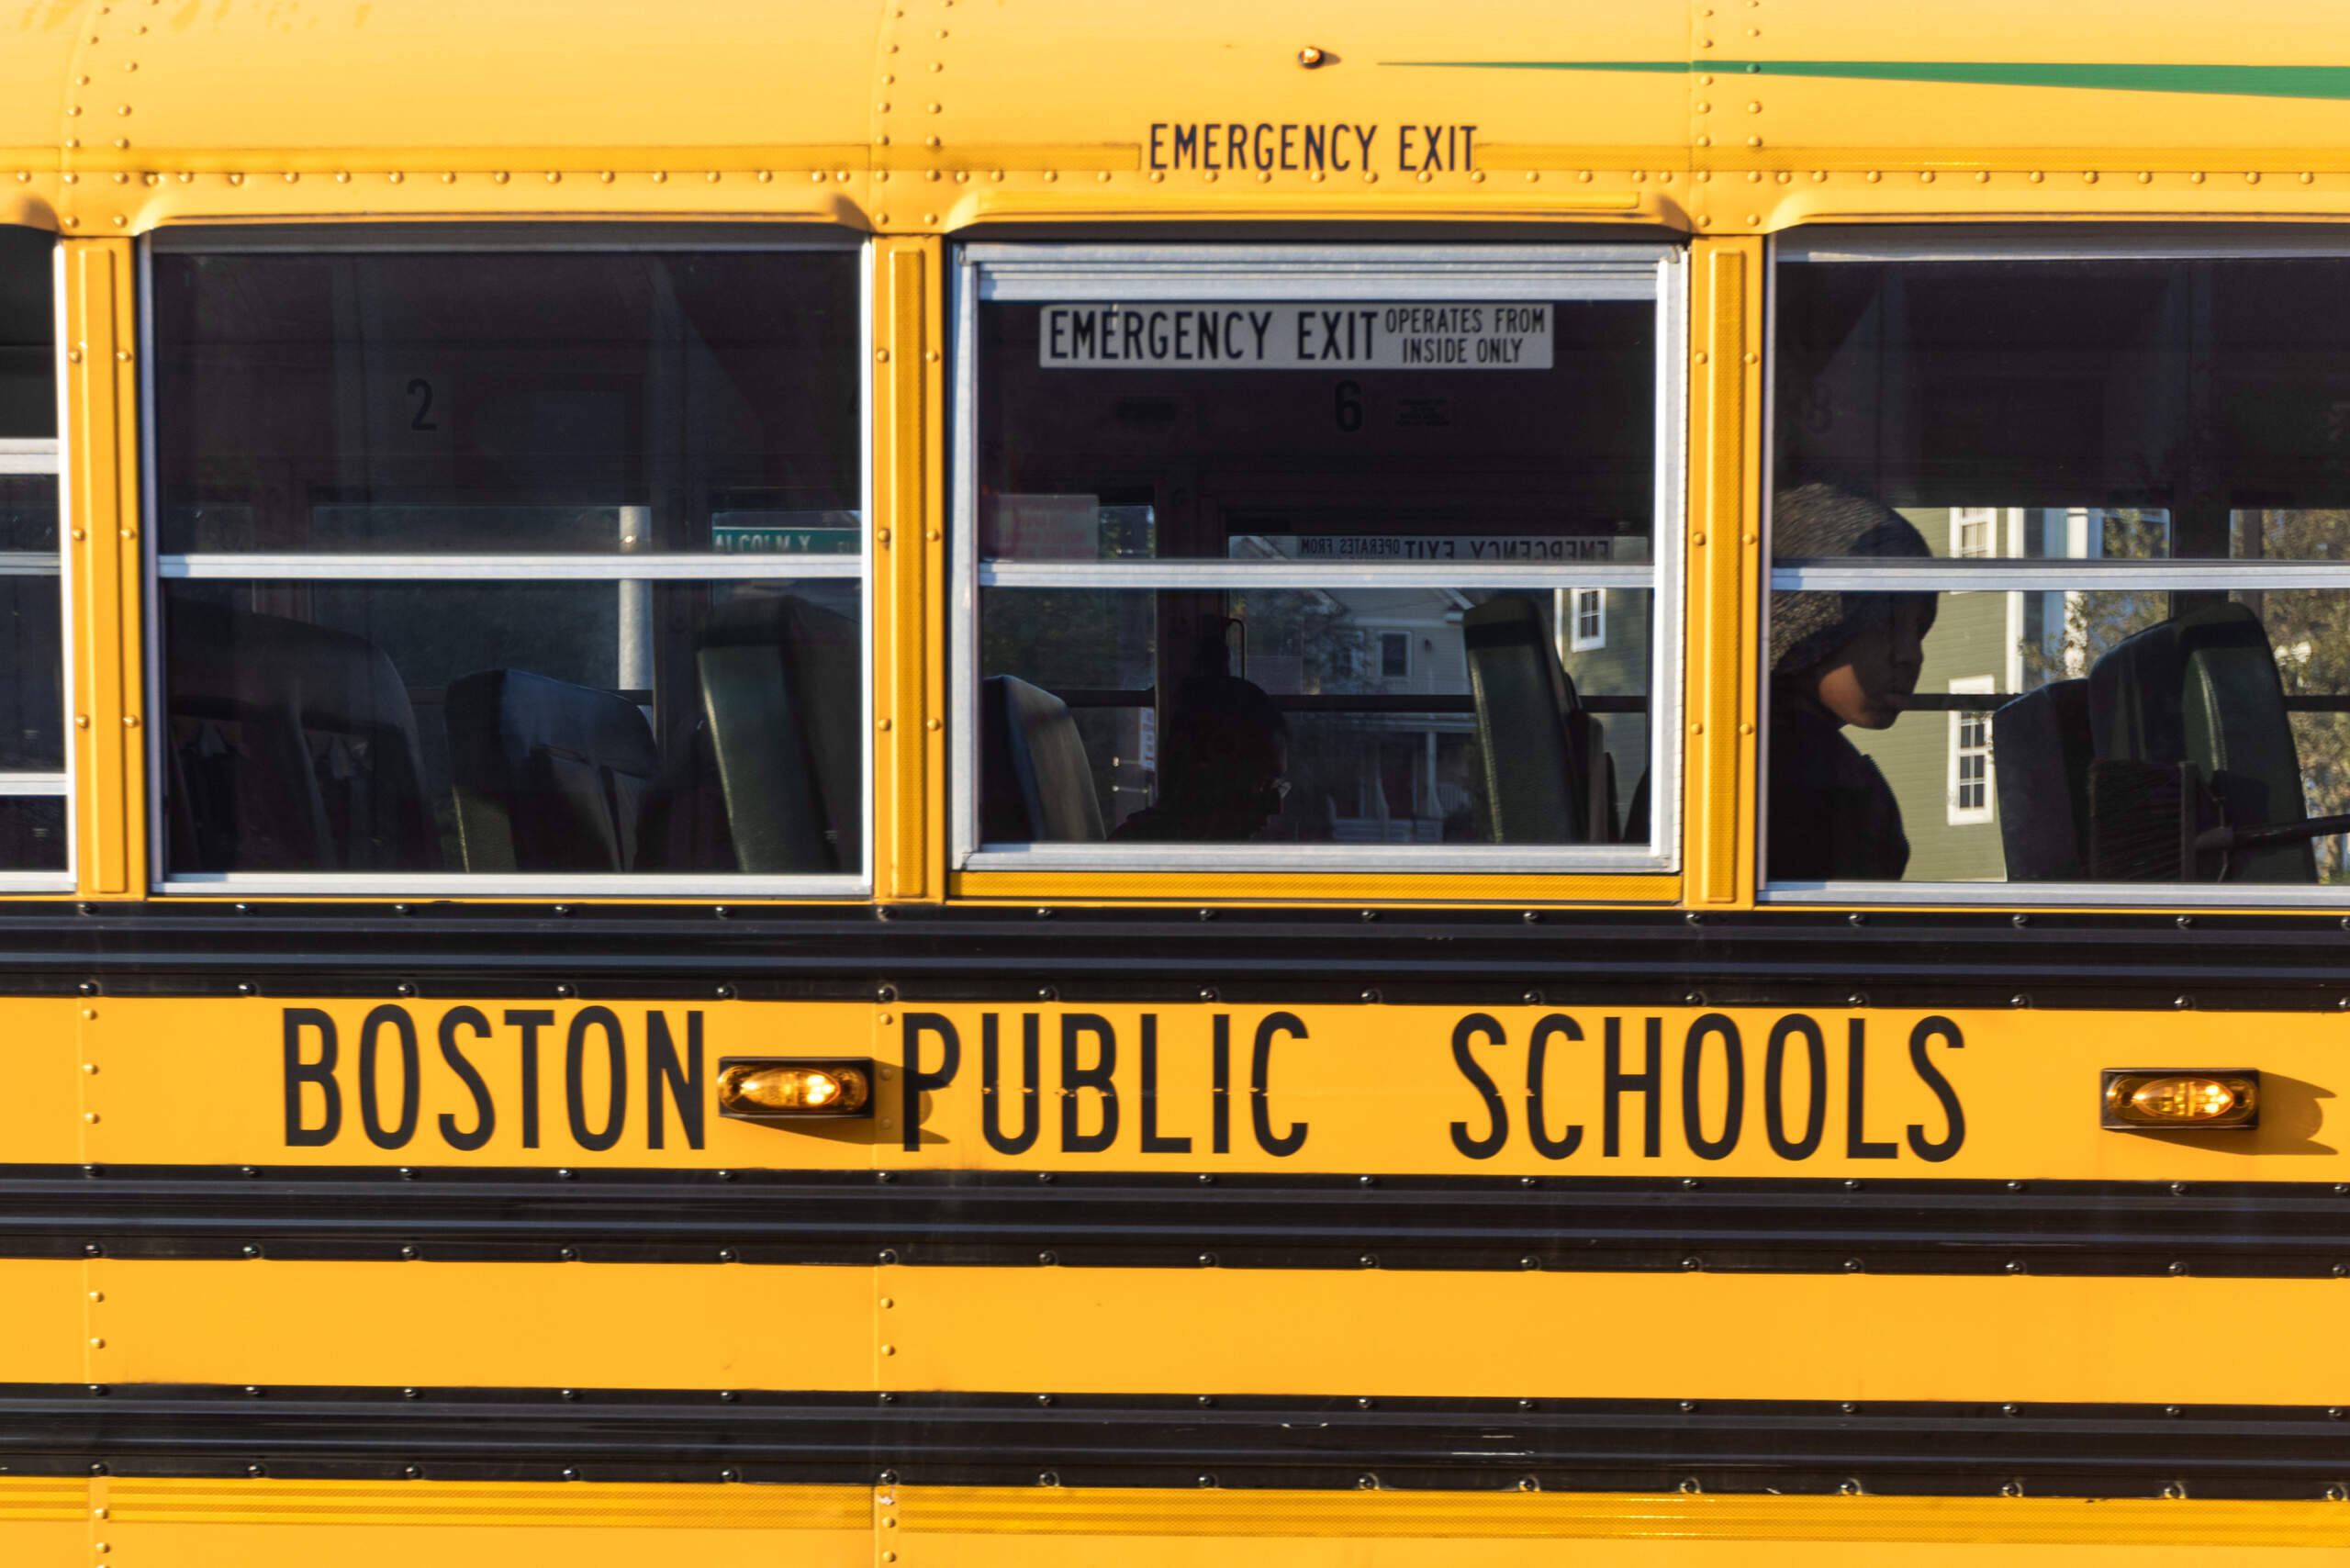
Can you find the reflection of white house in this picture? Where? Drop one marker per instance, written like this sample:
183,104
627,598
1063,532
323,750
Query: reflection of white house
1381,778
1399,776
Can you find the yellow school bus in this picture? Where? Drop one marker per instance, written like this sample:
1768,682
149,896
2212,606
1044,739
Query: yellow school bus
954,783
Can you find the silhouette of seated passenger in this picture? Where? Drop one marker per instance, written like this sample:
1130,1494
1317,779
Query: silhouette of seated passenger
1839,659
1220,762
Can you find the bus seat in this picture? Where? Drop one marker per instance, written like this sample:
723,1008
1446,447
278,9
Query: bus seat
1635,812
292,747
1544,764
684,825
2203,688
1035,783
781,687
2042,743
547,776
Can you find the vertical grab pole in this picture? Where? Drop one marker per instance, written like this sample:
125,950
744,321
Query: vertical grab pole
635,671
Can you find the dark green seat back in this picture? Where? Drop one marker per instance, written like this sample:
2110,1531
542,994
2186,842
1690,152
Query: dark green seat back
547,776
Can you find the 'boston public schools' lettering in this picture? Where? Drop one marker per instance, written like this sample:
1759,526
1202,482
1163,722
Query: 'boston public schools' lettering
671,1074
1712,1037
1091,1112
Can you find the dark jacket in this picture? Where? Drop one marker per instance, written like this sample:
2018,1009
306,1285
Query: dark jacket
1833,817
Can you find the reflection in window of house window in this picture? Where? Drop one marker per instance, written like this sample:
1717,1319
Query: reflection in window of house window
1970,755
1591,620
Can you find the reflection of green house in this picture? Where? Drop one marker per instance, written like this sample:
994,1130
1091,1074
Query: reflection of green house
1604,646
1938,762
1938,758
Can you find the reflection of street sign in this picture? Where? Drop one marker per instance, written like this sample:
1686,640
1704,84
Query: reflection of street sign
772,539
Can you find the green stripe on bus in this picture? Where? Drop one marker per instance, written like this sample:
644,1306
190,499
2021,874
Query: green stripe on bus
2248,81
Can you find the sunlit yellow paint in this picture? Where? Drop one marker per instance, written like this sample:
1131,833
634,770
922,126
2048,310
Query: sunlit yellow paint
133,1501
468,1325
857,114
41,1326
1724,573
103,555
1598,1336
1584,1516
909,552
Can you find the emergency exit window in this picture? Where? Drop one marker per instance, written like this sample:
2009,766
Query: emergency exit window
1290,557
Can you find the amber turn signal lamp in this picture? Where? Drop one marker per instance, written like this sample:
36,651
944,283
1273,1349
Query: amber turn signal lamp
790,1088
2181,1099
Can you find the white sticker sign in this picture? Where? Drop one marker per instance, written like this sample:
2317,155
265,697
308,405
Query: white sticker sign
1426,336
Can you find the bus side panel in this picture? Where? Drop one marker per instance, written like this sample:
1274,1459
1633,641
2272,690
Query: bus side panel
40,1094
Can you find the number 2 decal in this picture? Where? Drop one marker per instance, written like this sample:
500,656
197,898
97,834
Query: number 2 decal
421,390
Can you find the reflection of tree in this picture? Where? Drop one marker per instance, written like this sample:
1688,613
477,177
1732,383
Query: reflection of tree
2310,633
1051,637
1308,641
1317,631
2069,642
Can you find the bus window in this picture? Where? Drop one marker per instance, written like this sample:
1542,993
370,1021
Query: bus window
33,833
2061,570
1284,554
513,563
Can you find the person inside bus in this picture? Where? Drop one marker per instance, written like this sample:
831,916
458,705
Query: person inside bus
1220,760
1839,659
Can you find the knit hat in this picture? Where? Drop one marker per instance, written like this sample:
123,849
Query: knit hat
1820,520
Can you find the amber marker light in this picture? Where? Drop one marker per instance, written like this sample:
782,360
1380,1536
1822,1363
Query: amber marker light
791,1089
2180,1099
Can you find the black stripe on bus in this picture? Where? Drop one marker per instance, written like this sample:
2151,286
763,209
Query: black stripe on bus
1033,1438
1319,955
1072,1219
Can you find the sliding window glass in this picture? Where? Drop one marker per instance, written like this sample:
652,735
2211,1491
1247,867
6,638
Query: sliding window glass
509,567
35,840
2061,567
1315,558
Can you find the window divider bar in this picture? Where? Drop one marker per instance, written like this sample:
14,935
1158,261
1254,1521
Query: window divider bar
2051,575
221,566
1308,575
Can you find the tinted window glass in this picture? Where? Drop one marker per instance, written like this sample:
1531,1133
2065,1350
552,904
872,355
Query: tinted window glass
1299,572
33,833
589,403
2060,575
360,675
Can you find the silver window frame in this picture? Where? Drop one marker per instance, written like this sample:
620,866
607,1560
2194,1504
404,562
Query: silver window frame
984,272
1830,246
33,456
568,239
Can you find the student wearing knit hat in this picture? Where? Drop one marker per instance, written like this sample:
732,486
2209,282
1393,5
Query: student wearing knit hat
1839,659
